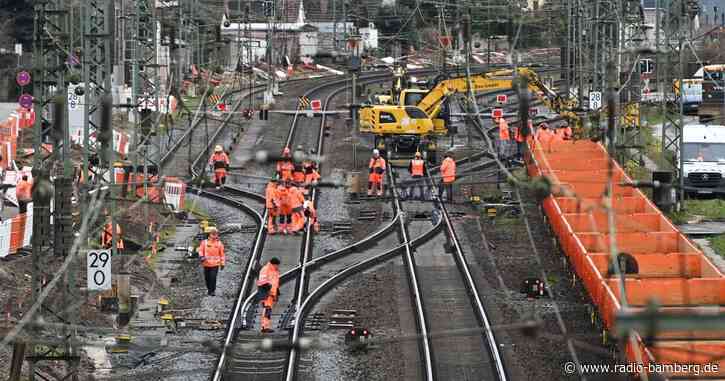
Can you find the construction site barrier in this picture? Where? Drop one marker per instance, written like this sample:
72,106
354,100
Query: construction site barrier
670,270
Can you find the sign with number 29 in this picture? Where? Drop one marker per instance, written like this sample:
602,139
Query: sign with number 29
99,270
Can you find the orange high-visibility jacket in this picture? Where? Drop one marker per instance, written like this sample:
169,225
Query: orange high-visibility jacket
107,236
503,129
284,169
220,160
448,170
23,190
270,195
212,250
295,199
298,174
416,167
269,275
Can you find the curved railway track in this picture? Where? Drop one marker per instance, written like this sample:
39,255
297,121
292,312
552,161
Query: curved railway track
241,314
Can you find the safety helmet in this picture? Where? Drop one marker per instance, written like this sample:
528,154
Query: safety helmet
300,148
376,152
212,230
307,204
418,154
285,152
218,148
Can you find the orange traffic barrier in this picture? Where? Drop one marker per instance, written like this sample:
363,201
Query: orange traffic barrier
667,268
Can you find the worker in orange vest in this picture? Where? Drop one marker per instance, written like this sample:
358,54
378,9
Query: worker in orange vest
211,254
107,236
23,191
375,177
284,207
285,166
544,135
270,199
268,291
416,169
311,214
296,200
312,176
504,138
448,175
520,138
220,161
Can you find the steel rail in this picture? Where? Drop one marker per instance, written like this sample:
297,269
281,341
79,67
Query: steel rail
229,201
320,261
421,319
470,284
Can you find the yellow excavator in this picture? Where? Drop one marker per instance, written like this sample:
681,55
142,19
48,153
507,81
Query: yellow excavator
414,122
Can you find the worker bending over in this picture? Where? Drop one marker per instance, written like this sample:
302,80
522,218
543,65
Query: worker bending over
417,170
23,191
220,161
311,214
375,177
285,166
211,254
107,236
268,291
296,200
448,176
270,198
312,176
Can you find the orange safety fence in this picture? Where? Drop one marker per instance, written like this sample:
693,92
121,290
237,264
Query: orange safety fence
671,270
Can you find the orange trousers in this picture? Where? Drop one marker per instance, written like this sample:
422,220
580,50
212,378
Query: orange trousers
220,176
298,221
272,213
267,305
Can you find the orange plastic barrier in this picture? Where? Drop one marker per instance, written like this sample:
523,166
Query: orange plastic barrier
671,270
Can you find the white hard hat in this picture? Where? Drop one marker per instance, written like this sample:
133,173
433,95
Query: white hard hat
218,148
376,152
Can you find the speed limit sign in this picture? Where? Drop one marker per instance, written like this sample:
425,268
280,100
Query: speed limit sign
99,269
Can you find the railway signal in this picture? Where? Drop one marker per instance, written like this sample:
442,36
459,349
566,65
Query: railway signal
497,113
502,99
316,105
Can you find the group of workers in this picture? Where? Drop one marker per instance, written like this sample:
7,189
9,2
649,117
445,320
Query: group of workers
416,168
286,203
544,134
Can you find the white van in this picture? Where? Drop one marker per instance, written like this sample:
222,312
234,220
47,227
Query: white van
703,155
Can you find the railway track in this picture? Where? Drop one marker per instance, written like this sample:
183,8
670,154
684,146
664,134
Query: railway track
231,363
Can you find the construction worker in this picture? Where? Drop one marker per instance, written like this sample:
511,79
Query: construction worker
417,169
284,207
375,177
220,161
270,198
285,166
296,200
211,254
544,135
268,291
298,173
107,236
312,176
23,191
311,214
448,175
504,138
521,139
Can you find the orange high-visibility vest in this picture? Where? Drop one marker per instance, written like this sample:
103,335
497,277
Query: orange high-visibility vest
448,170
23,190
213,252
219,160
295,199
503,129
270,195
416,167
298,174
285,168
269,275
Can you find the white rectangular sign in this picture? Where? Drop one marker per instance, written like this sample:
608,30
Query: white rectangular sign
99,269
595,100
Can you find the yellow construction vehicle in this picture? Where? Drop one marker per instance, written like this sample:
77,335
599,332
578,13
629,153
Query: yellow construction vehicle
420,116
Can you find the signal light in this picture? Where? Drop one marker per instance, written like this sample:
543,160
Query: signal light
365,332
352,332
